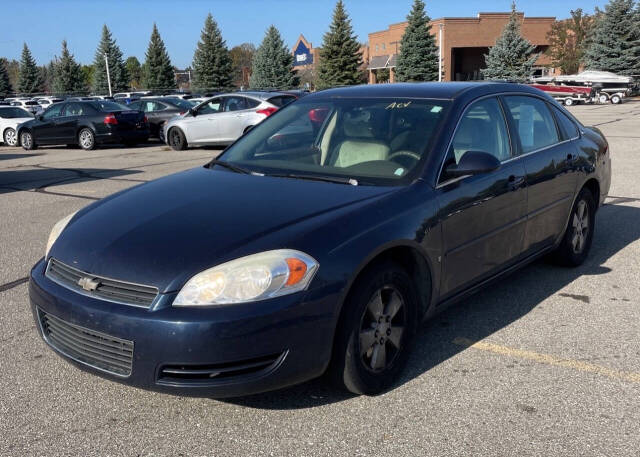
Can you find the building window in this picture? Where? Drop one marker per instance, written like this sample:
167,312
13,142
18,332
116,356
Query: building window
377,48
384,46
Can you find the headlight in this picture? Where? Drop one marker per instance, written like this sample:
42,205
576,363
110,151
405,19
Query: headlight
255,277
56,231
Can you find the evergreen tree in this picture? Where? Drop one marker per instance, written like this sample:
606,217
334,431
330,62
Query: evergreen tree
134,70
29,80
272,65
567,41
418,58
67,76
45,75
615,43
117,69
5,84
340,56
158,71
512,57
211,61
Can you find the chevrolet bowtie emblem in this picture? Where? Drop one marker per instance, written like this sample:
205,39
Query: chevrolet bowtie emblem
89,284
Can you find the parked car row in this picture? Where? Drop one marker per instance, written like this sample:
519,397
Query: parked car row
90,121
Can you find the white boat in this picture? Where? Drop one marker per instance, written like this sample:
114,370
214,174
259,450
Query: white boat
608,86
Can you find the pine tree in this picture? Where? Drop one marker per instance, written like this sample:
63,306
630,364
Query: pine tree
512,57
211,60
615,43
67,75
29,80
418,57
158,71
134,70
5,83
117,69
340,56
272,65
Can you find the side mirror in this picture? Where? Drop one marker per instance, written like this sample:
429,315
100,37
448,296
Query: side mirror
473,163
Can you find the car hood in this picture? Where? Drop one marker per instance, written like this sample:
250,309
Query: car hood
163,232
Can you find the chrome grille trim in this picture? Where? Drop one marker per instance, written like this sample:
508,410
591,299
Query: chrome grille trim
116,291
89,347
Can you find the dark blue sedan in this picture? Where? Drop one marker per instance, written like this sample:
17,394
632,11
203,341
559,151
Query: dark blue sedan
320,239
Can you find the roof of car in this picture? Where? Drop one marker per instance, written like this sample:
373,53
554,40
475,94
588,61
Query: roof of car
263,95
441,90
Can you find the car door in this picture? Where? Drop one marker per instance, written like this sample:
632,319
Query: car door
549,165
203,128
44,129
233,121
66,124
483,217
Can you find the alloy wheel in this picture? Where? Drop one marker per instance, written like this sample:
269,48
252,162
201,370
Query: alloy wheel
26,140
175,138
381,329
11,138
580,224
86,139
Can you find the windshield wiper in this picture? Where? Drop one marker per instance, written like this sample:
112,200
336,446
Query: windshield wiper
334,179
231,167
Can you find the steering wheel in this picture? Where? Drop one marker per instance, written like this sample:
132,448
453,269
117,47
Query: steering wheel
410,154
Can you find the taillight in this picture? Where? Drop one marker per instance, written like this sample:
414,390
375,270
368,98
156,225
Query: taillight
267,111
110,119
145,120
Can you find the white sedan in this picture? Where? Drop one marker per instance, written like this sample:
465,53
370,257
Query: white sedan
10,117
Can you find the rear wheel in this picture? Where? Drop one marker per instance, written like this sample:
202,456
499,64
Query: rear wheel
86,139
177,141
576,243
27,141
615,99
603,98
10,137
568,101
376,330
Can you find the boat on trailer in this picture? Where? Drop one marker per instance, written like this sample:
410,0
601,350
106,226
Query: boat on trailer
604,86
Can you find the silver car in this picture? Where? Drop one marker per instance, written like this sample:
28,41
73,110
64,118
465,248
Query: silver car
222,119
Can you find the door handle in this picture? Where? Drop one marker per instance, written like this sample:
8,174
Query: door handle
516,182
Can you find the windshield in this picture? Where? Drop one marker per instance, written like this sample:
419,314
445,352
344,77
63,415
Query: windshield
372,141
180,103
14,113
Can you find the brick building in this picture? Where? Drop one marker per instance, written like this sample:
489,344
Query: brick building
465,41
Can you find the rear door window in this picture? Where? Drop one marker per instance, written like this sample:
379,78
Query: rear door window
533,122
567,126
281,100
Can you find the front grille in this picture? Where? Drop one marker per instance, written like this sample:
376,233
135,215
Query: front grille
105,288
206,374
98,350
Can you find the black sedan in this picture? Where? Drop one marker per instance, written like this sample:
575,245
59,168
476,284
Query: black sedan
319,240
160,110
85,123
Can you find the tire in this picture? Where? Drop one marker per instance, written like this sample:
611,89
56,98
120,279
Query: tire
616,99
10,137
568,102
576,242
603,98
176,139
86,139
27,141
372,341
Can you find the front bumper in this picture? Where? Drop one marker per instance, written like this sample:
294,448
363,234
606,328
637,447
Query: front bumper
297,333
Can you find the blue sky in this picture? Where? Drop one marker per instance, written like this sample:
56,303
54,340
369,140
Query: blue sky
43,24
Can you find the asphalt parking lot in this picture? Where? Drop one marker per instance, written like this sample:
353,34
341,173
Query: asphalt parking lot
545,363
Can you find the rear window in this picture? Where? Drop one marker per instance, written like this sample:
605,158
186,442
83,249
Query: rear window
180,103
107,106
569,129
31,103
281,100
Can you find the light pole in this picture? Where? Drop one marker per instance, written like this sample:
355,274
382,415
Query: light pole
440,53
106,63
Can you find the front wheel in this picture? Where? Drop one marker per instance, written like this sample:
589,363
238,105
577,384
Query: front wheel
576,243
568,102
27,141
603,98
10,137
177,141
376,330
86,139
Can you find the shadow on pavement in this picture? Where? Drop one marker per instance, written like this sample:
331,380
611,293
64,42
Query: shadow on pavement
10,156
19,179
481,315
